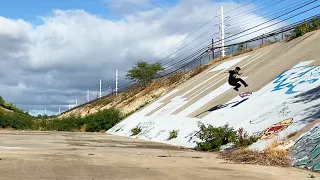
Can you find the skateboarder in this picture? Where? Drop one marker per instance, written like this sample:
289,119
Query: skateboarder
234,80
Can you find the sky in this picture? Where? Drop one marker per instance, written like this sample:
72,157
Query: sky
52,52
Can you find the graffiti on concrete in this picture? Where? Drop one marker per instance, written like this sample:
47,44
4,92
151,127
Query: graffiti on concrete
306,151
296,77
146,128
276,128
281,110
159,133
120,127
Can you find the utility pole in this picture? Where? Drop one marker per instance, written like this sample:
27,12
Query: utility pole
212,50
69,106
100,89
116,81
222,33
109,90
76,102
88,96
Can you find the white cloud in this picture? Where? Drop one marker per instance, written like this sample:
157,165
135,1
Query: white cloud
57,61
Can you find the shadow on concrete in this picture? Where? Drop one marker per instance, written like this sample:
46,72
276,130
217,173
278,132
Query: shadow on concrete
312,112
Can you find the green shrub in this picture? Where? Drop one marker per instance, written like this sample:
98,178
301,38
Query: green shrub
214,137
136,130
173,134
100,121
306,27
19,121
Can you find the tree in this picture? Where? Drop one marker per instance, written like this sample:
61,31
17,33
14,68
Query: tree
144,72
315,23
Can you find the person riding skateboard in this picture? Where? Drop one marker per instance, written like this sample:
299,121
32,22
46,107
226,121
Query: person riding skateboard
234,80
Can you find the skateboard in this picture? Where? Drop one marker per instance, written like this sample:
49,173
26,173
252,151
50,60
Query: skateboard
245,94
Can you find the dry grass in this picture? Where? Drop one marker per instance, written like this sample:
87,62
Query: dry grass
176,78
198,70
272,156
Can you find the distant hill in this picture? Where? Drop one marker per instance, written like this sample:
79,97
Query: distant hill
9,107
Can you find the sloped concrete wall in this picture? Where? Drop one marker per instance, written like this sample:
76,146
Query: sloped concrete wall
290,95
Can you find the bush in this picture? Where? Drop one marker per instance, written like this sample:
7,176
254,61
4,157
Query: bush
100,121
173,134
306,27
136,130
215,137
19,121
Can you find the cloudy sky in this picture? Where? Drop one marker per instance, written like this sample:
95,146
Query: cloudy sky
52,52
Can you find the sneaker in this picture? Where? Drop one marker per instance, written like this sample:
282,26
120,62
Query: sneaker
236,89
246,85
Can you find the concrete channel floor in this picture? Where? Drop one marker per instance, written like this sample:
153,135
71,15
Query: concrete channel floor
27,155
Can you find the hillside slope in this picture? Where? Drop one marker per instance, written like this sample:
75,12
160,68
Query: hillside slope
283,79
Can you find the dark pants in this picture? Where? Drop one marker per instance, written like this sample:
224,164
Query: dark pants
236,84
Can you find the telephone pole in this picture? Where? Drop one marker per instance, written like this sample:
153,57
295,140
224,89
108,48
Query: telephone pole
222,33
100,89
88,96
116,81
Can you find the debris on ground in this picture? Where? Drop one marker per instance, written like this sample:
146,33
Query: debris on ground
311,176
270,157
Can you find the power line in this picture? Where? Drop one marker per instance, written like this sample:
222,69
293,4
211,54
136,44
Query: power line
257,26
199,29
180,49
278,11
271,19
201,37
255,8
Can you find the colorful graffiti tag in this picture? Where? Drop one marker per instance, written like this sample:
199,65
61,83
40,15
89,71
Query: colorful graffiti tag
293,78
276,128
306,151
